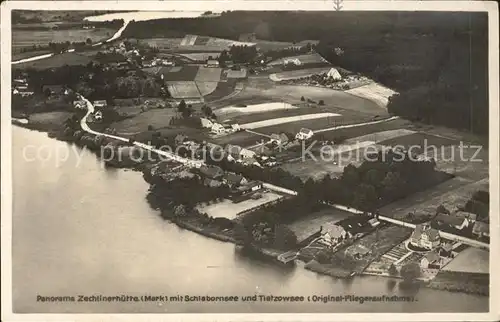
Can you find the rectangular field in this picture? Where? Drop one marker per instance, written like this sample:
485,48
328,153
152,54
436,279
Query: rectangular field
303,59
418,142
162,43
374,92
287,119
70,59
208,74
201,56
300,73
180,73
206,88
28,38
229,210
183,89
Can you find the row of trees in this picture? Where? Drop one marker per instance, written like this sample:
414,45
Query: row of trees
95,82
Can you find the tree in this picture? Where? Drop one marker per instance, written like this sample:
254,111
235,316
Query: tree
393,270
182,106
321,102
88,41
302,98
150,128
410,272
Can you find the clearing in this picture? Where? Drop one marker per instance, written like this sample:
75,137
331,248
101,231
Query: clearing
374,92
158,118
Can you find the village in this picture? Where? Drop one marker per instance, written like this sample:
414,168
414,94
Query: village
246,113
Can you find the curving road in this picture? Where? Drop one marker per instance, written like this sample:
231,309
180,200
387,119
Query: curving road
114,37
169,155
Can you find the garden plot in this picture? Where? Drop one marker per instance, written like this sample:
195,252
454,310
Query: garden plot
281,120
295,74
183,89
301,59
374,92
230,210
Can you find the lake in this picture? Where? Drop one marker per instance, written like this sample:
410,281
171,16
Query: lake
80,229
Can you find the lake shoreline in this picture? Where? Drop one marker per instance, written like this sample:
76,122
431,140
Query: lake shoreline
193,224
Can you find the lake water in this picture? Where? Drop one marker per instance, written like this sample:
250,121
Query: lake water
79,229
145,15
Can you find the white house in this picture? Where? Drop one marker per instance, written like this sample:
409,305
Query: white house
431,260
80,104
425,237
217,128
333,234
304,134
98,115
334,74
212,63
206,123
247,154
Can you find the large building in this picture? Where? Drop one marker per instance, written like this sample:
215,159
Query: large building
425,237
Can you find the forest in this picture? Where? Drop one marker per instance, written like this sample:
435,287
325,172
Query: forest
437,61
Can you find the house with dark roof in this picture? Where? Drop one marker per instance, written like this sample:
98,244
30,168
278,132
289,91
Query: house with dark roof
425,237
431,260
446,250
211,172
233,180
251,186
100,103
454,220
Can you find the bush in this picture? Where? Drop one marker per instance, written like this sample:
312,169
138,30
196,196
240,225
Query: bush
321,102
150,128
302,99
